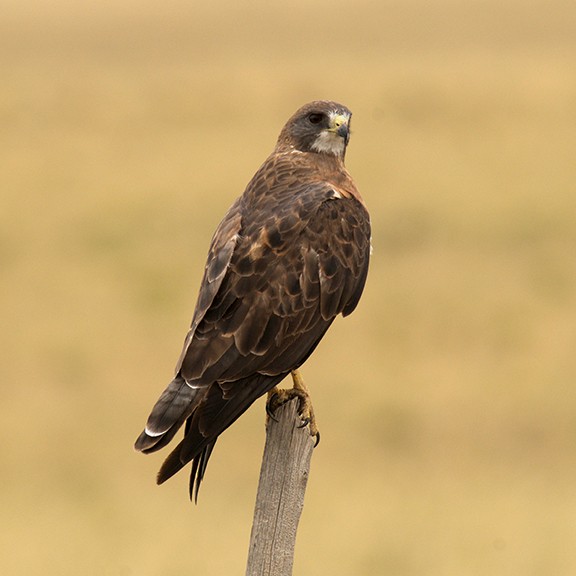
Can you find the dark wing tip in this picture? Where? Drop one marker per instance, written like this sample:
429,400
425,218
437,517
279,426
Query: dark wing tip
174,463
198,470
171,465
145,442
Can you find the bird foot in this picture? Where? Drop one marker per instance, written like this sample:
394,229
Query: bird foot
279,396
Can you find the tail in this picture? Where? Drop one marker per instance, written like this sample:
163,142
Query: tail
208,411
175,404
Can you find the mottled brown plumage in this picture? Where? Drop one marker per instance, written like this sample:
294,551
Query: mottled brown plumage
289,256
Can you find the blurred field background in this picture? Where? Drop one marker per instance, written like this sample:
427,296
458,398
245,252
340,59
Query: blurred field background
447,402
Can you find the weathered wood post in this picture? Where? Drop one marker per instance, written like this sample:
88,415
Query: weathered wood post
280,499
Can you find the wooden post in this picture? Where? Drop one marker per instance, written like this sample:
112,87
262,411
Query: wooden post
280,499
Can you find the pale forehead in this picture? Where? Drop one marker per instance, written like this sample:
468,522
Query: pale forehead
339,113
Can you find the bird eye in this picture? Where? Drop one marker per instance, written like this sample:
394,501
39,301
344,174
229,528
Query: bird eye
315,118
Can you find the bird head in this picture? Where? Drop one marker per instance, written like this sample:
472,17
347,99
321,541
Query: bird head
322,127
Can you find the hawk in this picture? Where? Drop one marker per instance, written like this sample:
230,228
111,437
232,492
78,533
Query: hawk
289,256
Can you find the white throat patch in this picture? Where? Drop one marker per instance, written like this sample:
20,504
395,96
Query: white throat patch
329,141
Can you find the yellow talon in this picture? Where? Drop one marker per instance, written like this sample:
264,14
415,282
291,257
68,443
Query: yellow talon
278,396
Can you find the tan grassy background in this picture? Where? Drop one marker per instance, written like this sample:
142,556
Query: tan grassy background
447,402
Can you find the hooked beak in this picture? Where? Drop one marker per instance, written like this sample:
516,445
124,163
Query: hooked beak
339,125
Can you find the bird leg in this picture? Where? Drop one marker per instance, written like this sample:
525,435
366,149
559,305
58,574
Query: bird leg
279,396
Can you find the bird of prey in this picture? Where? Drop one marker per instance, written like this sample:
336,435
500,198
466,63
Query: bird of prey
289,256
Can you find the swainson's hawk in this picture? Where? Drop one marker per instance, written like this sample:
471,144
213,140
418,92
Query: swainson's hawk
289,256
